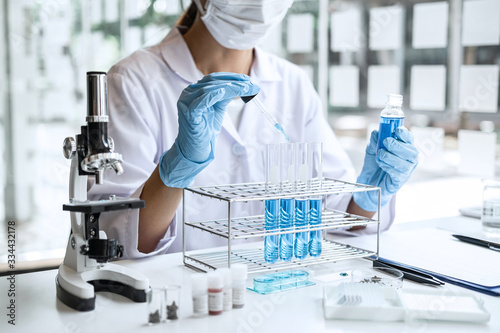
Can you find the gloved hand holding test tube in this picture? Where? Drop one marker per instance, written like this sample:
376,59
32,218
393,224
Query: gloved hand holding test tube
266,113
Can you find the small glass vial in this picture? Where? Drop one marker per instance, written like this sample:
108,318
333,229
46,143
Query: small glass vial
391,117
199,287
490,216
240,273
172,302
227,289
215,295
155,298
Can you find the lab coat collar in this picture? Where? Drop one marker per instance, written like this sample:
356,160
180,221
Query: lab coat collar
262,68
176,54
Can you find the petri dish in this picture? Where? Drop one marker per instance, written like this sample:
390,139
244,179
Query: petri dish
389,277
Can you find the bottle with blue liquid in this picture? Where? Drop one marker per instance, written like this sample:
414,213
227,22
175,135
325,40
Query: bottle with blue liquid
315,218
391,117
300,221
286,222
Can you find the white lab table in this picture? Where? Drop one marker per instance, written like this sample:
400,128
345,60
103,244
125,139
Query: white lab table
300,310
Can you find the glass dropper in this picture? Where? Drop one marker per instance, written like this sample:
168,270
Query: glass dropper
266,114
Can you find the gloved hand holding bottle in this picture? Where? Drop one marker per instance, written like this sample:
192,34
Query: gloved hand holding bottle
201,108
388,168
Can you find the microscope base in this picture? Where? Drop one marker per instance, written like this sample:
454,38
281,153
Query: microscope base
77,290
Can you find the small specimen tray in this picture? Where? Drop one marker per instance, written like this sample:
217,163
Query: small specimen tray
410,304
282,281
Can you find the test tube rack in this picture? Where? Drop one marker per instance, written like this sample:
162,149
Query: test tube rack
234,228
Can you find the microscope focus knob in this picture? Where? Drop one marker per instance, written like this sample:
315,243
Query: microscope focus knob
69,148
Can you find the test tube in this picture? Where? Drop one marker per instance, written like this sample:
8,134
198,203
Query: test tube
271,248
315,219
287,184
301,166
301,241
287,167
271,215
272,167
286,223
315,162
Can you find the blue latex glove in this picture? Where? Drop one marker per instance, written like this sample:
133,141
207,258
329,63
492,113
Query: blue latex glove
200,109
389,168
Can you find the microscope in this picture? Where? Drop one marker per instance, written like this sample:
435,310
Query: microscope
85,269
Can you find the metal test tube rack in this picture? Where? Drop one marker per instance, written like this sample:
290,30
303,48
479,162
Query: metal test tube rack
254,227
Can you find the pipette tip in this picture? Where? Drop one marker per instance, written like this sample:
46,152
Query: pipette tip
281,130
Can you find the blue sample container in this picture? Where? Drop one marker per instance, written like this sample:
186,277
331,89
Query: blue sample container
391,117
271,249
315,238
387,127
300,221
286,221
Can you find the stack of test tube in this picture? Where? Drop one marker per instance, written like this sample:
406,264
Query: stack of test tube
292,168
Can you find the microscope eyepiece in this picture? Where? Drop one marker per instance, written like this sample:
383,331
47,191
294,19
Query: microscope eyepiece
97,101
99,155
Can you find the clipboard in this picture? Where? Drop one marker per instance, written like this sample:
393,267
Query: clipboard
489,290
437,253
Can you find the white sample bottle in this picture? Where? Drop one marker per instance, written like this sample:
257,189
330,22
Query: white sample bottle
199,289
240,272
227,289
215,296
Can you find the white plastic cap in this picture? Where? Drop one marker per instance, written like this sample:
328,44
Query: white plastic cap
394,100
227,275
240,271
215,280
199,281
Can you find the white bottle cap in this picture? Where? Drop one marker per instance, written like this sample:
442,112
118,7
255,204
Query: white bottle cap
215,280
199,281
394,100
227,275
240,271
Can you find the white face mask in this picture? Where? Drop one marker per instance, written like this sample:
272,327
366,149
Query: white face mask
242,24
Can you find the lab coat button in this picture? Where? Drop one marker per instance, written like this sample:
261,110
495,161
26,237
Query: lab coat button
238,149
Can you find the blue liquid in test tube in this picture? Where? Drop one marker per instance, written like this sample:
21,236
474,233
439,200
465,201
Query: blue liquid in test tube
300,218
286,221
271,250
315,207
387,127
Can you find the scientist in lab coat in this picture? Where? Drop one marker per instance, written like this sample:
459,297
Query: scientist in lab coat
176,118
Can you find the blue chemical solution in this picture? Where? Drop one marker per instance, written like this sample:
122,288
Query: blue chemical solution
286,221
282,131
300,221
315,207
387,127
271,250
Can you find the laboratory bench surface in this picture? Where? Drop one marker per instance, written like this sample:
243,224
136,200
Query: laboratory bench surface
300,310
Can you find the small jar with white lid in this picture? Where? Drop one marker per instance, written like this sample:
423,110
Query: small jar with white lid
199,289
215,295
240,273
227,289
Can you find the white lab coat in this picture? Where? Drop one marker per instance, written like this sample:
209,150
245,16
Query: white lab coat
143,90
